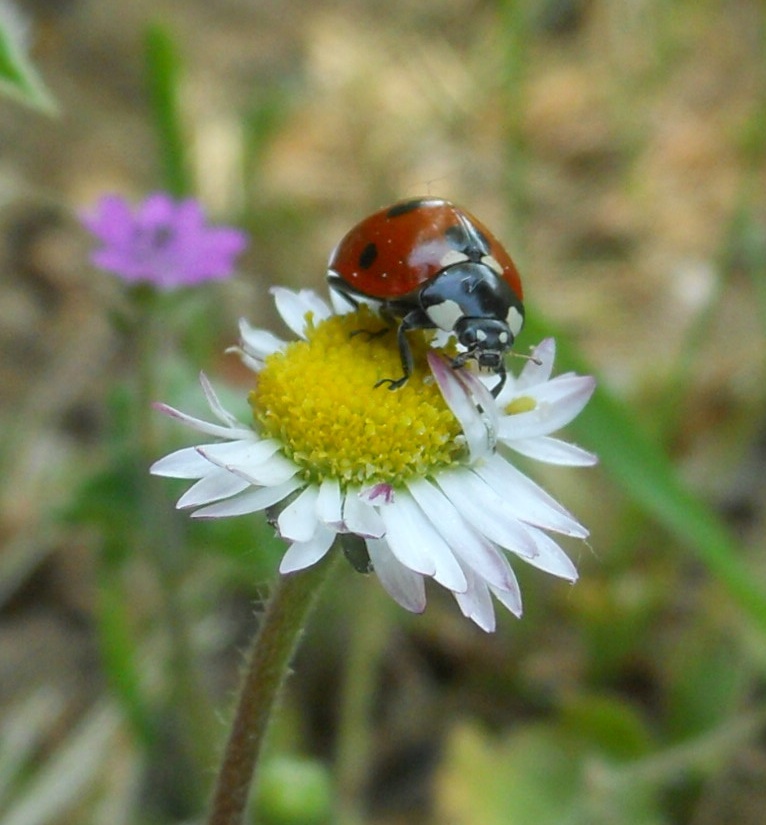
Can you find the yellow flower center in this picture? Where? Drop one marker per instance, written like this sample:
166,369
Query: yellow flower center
318,398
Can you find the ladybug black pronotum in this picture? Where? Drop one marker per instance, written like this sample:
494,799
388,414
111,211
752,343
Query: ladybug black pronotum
428,264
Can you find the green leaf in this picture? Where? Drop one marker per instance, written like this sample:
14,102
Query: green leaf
649,479
18,77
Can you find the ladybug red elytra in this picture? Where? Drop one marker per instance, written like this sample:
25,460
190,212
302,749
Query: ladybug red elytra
428,264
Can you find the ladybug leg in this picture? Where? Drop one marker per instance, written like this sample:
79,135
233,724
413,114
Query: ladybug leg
371,333
501,383
413,320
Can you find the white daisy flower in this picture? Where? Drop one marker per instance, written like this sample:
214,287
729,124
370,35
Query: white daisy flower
420,477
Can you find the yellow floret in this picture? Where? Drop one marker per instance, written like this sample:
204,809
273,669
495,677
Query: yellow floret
318,398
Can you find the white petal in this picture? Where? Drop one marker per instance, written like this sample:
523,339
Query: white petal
298,521
539,367
303,554
184,463
239,452
405,587
528,501
204,426
403,540
553,451
557,403
252,363
249,502
295,306
340,305
476,603
482,507
551,558
466,542
360,517
510,599
259,463
258,343
483,399
329,504
215,405
416,543
213,487
463,406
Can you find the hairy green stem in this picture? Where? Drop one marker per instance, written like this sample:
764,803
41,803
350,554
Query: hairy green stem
267,667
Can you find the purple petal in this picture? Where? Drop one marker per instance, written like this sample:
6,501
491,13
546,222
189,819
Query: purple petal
157,211
111,221
165,242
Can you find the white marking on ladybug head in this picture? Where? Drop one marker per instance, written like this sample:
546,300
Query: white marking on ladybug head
493,264
503,338
452,256
481,335
445,314
515,321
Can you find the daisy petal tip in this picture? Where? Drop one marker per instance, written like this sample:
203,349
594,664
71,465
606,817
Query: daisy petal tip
486,623
545,350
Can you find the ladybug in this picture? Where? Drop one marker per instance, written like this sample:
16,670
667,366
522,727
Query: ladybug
428,264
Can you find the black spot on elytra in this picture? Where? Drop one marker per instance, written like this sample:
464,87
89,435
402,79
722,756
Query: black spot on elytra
404,207
368,256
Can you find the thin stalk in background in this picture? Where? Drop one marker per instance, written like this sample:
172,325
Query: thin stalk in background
166,555
163,68
353,761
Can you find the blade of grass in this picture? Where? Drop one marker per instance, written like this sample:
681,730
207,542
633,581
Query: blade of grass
19,78
650,480
163,69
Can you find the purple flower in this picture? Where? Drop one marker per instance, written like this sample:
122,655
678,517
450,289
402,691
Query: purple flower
163,242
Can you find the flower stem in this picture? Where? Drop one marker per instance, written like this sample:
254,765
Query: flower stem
289,607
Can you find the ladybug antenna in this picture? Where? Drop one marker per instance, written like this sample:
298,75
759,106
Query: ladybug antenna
527,357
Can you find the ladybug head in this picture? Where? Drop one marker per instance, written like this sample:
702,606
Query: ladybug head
485,339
